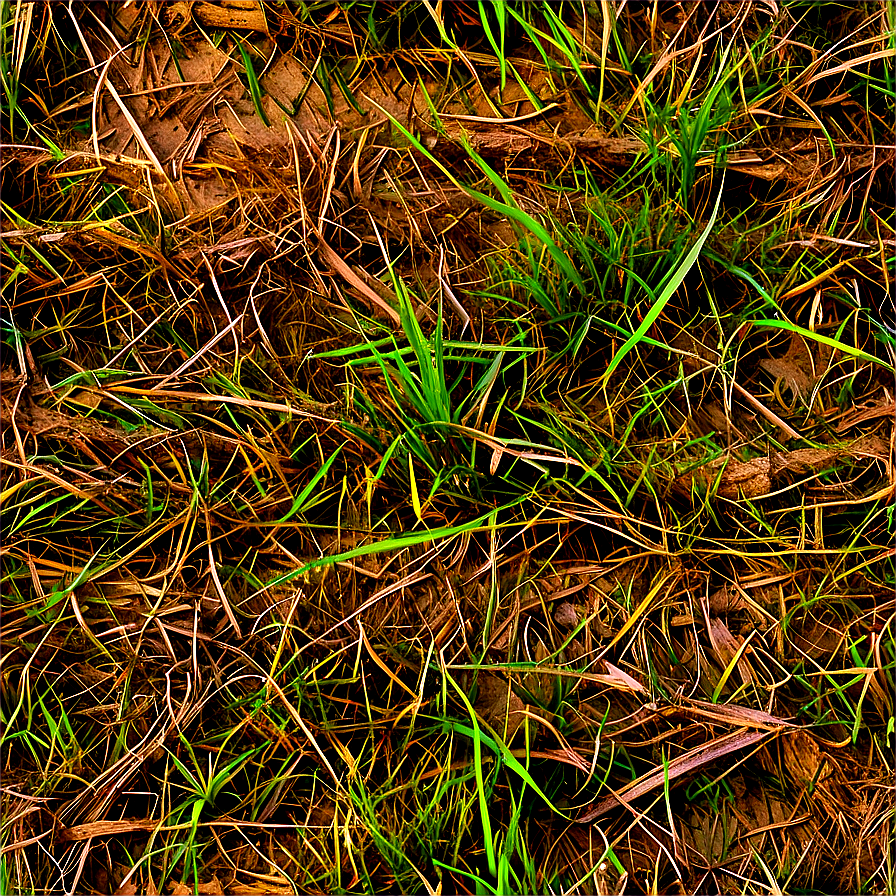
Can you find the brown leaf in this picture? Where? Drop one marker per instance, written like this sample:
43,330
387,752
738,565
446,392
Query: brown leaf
871,446
731,714
797,164
212,888
755,478
816,640
801,756
354,280
797,367
499,705
805,460
689,762
751,479
725,645
867,412
727,600
107,828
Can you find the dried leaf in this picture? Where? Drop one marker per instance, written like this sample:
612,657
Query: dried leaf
354,280
797,367
801,756
107,828
816,640
755,478
726,645
867,412
731,714
498,705
625,679
689,762
805,460
727,600
212,888
750,480
246,15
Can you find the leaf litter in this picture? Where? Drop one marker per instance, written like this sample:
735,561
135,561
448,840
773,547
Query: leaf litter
270,510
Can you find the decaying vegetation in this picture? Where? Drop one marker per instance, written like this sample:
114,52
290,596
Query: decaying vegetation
447,447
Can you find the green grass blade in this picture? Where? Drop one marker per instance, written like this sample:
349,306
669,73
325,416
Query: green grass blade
510,209
254,85
825,340
305,493
668,291
476,734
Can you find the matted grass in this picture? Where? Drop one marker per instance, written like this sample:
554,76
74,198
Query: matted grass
447,448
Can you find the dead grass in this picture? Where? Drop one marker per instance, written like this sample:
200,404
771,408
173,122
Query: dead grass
447,447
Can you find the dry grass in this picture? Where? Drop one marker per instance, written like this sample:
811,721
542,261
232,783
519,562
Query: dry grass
447,447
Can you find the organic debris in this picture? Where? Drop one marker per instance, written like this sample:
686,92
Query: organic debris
447,447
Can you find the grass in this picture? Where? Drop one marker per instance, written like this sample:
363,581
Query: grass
447,448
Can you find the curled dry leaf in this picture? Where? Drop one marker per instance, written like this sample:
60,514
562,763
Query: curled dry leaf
688,762
107,828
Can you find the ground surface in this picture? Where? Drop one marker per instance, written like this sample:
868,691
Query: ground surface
447,447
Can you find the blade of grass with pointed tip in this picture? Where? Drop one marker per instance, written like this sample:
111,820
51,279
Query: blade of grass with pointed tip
496,45
254,86
511,211
303,495
824,340
476,734
415,494
501,749
668,291
400,542
564,43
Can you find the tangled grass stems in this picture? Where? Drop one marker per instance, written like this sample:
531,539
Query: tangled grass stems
447,447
